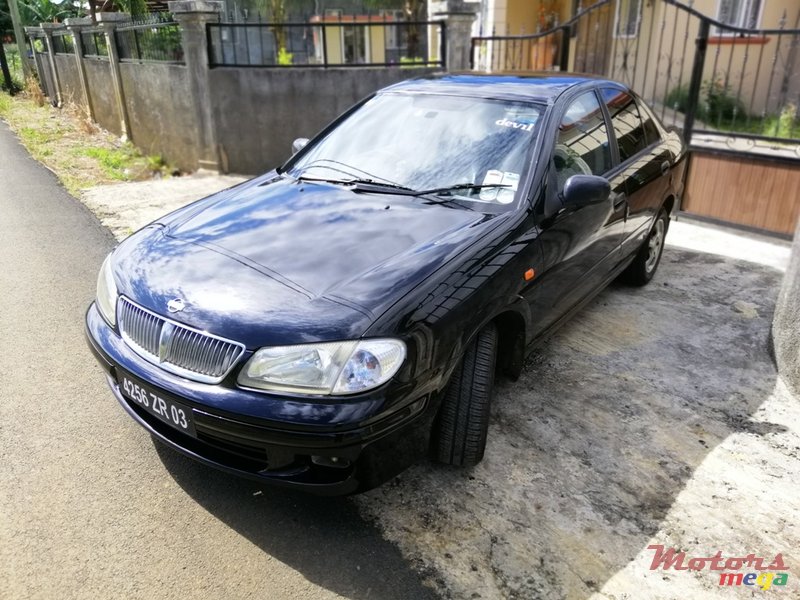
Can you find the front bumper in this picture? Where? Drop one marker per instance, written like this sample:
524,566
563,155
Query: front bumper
324,446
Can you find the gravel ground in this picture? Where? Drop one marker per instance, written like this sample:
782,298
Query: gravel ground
653,417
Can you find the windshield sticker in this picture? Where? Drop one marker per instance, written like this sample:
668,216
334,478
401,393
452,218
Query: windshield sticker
514,124
505,195
499,194
493,177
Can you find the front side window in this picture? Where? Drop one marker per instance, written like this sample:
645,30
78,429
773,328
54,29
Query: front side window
628,126
629,14
429,141
739,13
582,146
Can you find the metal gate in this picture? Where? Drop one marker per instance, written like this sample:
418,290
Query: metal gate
706,77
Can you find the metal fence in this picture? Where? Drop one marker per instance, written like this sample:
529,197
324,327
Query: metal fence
345,42
704,76
155,39
94,43
63,42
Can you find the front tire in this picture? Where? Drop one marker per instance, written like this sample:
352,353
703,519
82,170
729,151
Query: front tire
644,266
463,422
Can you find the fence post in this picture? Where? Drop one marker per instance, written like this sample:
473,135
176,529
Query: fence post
47,29
32,32
108,21
75,26
696,80
193,16
458,18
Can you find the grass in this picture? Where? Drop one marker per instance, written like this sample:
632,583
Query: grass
80,153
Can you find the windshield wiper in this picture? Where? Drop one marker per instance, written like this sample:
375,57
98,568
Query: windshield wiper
448,190
366,185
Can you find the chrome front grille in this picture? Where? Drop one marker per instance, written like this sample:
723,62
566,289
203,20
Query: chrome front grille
174,347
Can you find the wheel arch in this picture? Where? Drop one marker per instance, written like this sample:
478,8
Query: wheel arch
511,329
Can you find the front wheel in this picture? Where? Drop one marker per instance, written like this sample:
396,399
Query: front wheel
644,266
463,422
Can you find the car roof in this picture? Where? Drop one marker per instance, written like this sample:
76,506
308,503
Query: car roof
531,86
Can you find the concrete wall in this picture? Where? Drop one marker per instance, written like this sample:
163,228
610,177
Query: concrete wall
240,120
161,112
258,112
68,78
101,90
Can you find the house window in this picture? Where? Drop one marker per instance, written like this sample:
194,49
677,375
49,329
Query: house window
629,13
745,14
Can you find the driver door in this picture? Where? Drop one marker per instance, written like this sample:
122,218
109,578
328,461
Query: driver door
580,245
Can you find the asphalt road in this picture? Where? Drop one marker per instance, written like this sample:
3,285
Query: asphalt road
90,507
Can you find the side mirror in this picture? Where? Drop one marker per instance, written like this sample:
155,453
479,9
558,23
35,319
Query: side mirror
583,190
299,144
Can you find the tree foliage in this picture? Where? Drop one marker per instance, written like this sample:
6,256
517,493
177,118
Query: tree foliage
33,12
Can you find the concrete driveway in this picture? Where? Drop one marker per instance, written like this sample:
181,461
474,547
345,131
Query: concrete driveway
654,417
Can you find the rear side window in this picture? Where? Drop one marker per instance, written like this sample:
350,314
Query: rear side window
650,129
582,147
628,126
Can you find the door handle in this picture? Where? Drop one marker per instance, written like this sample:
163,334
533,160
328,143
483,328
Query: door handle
665,167
619,200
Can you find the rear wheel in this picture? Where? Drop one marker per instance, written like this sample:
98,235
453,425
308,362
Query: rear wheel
463,420
644,266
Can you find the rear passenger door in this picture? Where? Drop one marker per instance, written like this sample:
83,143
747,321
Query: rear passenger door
645,163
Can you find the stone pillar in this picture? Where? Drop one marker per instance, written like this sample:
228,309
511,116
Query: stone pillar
192,16
786,324
458,17
47,29
75,26
109,21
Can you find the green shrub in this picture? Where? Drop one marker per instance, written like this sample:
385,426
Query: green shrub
720,104
678,98
284,57
716,103
785,125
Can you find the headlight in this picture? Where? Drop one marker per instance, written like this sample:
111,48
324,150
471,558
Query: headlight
107,293
329,368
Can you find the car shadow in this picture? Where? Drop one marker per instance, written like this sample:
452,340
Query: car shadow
325,539
589,449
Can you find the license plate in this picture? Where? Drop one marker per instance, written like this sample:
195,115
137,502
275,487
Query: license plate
170,412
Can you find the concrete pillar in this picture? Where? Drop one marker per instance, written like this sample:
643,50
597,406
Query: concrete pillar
33,34
109,21
192,16
75,26
47,29
458,17
786,324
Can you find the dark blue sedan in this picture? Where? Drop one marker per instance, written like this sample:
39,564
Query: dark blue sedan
328,323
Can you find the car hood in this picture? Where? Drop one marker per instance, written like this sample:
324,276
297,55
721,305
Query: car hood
323,241
225,296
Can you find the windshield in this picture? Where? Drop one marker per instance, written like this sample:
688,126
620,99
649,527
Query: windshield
467,149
